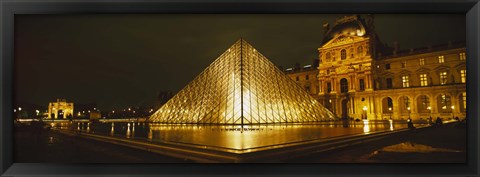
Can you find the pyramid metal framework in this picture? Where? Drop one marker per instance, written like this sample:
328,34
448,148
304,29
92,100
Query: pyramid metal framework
241,87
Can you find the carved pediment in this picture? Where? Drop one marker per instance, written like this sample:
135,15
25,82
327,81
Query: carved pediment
423,70
342,39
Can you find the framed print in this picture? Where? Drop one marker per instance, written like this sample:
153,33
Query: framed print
242,89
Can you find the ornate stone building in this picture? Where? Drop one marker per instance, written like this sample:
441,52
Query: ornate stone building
60,109
360,77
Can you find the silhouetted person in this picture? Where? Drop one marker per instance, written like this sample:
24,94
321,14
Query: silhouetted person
438,121
430,121
410,124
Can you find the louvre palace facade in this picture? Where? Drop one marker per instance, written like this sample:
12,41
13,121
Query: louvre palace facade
356,76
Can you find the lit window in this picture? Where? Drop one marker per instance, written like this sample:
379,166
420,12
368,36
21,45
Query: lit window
405,81
441,59
445,102
463,75
423,80
464,97
422,61
343,54
462,56
404,64
387,66
425,102
406,101
443,78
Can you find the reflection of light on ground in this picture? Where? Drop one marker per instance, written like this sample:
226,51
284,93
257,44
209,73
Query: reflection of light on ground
128,130
112,131
391,124
366,127
413,147
251,136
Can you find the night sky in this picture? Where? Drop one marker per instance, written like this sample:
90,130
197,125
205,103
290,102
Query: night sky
118,61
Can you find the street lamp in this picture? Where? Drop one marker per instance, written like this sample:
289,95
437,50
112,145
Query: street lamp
365,112
390,110
453,112
430,109
408,112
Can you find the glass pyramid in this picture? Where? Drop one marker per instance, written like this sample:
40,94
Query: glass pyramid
241,87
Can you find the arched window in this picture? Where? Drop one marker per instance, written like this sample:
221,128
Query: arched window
405,105
343,54
327,56
387,105
343,85
423,104
444,103
359,50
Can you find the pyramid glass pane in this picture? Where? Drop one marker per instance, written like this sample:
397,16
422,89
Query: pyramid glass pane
241,87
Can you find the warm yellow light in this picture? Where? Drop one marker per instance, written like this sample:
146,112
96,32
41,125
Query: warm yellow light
19,108
453,107
408,108
365,108
429,108
390,109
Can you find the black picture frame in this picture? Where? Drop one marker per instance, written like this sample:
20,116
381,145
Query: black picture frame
9,8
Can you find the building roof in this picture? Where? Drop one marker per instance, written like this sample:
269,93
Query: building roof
348,25
422,50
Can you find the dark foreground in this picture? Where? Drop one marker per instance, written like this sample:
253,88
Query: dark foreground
445,144
51,147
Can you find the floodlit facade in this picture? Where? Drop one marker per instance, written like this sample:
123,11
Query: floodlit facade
60,109
360,77
241,87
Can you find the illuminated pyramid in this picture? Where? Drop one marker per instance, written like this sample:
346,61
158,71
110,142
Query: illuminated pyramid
241,87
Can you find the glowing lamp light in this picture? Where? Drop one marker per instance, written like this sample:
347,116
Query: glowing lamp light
390,109
14,110
429,108
19,108
365,108
408,108
453,107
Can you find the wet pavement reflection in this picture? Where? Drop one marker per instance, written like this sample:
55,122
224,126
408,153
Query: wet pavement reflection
413,147
233,136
